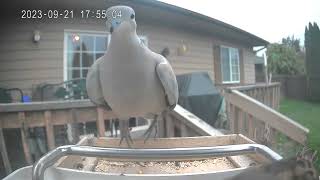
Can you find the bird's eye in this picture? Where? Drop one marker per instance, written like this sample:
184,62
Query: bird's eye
132,16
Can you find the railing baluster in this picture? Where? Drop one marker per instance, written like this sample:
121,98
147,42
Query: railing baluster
250,126
4,153
73,125
233,119
24,137
241,128
49,129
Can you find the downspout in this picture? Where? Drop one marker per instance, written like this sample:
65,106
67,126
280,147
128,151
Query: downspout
265,65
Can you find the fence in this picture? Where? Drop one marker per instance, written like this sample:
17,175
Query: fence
297,86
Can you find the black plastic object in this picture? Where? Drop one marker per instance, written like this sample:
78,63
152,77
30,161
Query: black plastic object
6,97
71,89
198,95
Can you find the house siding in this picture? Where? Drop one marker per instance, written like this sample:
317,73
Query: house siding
199,55
248,67
24,63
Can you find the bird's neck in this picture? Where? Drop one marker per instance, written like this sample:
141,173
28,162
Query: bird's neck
125,47
124,40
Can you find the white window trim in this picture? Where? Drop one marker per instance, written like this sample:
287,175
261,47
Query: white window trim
230,82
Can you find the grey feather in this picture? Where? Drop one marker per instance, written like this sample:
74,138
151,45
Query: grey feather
93,85
169,83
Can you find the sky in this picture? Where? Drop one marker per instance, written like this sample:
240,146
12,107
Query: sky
269,19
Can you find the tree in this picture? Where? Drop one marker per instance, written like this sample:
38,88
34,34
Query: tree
312,44
283,59
292,42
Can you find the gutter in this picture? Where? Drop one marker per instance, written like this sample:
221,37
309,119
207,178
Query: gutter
173,8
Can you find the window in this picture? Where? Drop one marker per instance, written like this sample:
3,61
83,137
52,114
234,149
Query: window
82,49
230,67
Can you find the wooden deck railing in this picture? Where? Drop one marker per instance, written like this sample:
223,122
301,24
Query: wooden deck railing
49,114
267,94
252,112
247,116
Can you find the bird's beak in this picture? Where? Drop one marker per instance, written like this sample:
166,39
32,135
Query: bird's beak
114,24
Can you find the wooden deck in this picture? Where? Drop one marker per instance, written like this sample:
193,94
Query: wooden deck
53,113
250,110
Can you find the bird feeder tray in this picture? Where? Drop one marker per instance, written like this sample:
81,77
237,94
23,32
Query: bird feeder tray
205,157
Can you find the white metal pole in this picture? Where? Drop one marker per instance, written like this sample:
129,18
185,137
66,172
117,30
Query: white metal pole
265,63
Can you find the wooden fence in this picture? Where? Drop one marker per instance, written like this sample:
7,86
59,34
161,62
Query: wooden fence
252,112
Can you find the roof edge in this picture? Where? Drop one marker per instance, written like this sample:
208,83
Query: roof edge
203,17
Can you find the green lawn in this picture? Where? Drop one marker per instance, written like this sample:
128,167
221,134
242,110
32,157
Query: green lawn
307,114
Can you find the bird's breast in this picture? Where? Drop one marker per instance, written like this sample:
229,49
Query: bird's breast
132,88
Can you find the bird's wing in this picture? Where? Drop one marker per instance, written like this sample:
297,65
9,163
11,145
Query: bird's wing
93,85
169,82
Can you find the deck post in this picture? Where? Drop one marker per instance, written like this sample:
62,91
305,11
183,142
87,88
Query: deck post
49,130
233,119
100,122
24,138
4,153
241,127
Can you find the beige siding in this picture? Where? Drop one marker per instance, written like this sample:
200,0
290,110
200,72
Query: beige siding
248,65
199,56
24,64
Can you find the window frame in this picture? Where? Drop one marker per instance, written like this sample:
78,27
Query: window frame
65,46
230,65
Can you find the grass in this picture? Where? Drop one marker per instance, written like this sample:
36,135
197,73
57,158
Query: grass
307,114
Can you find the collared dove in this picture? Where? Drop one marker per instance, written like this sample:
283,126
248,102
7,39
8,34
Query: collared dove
131,79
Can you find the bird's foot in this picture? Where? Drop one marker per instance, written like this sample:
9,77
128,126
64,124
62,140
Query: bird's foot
149,131
125,133
128,140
